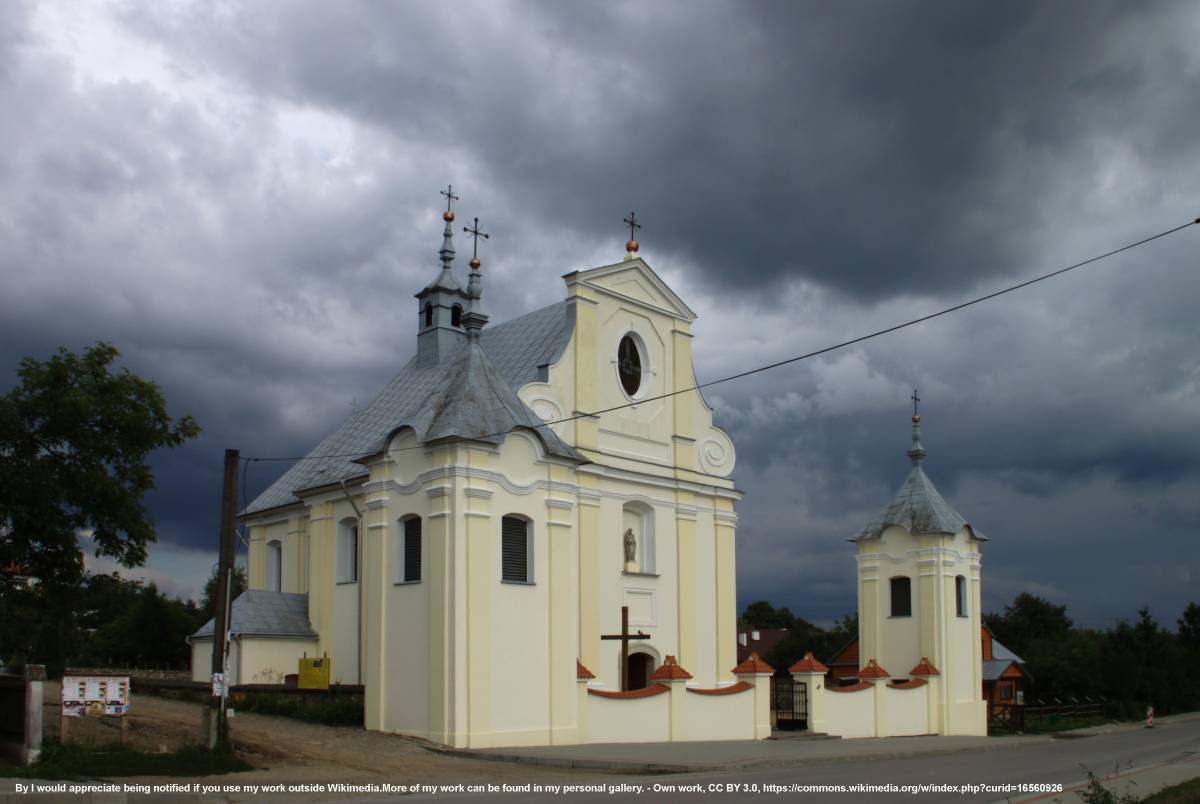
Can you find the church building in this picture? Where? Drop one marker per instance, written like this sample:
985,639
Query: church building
527,537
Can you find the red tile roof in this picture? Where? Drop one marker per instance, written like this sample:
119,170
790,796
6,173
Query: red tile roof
873,670
753,664
767,639
925,668
644,692
808,664
741,686
670,671
582,672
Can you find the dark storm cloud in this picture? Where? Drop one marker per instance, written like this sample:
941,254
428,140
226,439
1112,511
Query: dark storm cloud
242,198
795,132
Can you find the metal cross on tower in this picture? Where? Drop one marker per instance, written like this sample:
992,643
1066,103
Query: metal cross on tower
915,399
625,636
475,233
450,196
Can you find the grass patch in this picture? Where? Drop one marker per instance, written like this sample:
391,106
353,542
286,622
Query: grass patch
333,710
77,762
1184,793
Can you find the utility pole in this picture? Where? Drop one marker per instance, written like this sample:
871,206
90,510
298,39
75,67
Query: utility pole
214,715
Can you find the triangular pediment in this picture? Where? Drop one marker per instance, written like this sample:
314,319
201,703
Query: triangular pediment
633,280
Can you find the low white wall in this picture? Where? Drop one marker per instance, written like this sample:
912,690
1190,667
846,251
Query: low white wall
906,711
202,661
720,717
267,660
613,720
849,714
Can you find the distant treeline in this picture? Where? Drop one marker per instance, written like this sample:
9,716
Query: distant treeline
104,621
1132,664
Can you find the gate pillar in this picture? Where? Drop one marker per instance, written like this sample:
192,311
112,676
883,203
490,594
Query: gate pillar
811,673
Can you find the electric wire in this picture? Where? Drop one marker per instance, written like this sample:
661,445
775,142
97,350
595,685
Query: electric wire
788,361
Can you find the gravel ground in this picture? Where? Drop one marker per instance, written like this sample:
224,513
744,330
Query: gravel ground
283,750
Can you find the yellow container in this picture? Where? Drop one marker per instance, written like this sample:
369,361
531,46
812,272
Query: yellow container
314,673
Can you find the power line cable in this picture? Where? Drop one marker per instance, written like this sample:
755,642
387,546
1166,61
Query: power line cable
790,360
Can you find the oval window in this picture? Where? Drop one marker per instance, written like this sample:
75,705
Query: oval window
629,365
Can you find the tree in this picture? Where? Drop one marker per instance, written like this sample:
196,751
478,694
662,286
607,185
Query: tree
1189,627
74,441
1029,620
208,602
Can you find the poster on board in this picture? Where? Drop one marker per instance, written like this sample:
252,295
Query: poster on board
95,696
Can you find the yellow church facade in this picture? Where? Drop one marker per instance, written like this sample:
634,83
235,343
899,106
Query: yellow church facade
464,546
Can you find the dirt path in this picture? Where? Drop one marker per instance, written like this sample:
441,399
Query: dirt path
292,751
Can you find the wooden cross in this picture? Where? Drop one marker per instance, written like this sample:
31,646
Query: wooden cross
625,636
915,399
476,234
450,196
633,225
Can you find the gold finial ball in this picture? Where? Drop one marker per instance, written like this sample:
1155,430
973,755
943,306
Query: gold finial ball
474,263
447,216
632,246
916,418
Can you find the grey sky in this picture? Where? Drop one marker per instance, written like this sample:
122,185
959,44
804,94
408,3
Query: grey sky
243,198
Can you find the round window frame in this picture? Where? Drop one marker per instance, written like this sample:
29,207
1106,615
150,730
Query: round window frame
643,357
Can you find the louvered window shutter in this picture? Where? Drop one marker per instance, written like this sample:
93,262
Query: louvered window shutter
514,550
412,550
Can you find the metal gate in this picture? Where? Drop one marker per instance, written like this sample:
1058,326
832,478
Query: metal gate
789,703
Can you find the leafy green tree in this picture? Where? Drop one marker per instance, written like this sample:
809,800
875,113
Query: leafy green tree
1189,627
208,606
74,440
762,614
1029,620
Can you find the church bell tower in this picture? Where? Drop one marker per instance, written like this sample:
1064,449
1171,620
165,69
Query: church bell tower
919,597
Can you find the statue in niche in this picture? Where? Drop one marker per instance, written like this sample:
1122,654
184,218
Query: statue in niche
630,546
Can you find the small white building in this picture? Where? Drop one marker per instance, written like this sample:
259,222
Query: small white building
919,619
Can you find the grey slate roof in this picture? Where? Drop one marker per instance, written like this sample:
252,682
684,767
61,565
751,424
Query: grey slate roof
471,394
917,506
1001,659
257,612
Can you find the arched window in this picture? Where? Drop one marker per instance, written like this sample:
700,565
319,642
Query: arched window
428,314
639,518
902,596
274,566
409,570
516,550
347,551
456,316
960,595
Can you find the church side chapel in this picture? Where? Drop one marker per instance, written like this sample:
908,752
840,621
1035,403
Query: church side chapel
916,664
523,539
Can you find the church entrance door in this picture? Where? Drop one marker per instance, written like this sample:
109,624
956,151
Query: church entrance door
789,703
639,671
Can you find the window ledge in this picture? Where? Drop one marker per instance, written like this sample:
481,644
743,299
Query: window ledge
641,574
406,583
518,583
345,583
899,616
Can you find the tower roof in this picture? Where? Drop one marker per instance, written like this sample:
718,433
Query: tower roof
917,506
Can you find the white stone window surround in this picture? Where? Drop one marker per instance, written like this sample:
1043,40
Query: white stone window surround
643,353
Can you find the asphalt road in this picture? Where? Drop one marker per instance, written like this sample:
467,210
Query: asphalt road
1139,754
